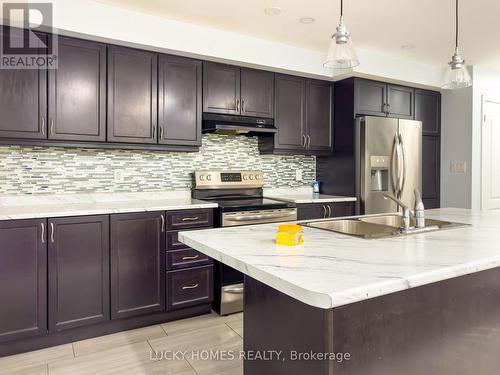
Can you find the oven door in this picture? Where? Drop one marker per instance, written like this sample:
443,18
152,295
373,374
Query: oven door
231,219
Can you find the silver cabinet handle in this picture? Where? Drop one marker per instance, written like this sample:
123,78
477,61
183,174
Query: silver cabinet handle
304,140
51,126
329,211
242,105
42,235
162,223
190,286
190,218
308,141
161,132
191,257
43,124
324,212
388,108
154,131
52,232
238,105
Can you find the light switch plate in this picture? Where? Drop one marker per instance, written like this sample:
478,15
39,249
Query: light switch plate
458,167
298,175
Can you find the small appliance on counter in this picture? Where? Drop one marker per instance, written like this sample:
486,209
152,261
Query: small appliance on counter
241,201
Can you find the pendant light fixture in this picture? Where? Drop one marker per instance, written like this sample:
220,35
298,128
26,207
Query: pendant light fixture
457,75
341,53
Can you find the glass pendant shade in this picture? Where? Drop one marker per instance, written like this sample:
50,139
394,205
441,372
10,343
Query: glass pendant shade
457,78
341,54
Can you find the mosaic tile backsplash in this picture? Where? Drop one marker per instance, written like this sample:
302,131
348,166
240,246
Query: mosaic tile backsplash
35,170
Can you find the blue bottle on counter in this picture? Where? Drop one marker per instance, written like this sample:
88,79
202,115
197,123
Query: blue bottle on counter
315,186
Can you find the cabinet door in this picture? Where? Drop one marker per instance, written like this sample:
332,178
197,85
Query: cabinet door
311,211
369,97
341,209
78,271
23,279
290,112
257,93
132,95
179,87
221,88
319,115
77,92
428,110
23,99
400,102
137,264
431,165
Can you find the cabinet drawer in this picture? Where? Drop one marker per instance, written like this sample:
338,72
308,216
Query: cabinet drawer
173,242
188,287
186,258
190,219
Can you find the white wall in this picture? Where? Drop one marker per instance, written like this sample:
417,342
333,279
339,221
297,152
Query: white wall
88,18
456,145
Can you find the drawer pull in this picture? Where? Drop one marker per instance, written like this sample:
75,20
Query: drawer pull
162,223
190,218
190,286
191,257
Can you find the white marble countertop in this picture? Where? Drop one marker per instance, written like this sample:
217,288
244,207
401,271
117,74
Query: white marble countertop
310,198
332,270
60,205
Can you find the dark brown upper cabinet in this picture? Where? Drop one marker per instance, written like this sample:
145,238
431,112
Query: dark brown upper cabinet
428,110
303,116
233,90
319,115
23,266
77,92
132,95
374,98
78,275
138,267
221,88
290,115
180,101
23,98
257,93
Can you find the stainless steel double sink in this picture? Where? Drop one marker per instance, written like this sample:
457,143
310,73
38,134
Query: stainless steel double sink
379,226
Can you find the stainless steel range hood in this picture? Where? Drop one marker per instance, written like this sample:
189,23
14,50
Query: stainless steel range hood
229,124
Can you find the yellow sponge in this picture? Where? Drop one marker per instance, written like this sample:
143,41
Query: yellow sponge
289,235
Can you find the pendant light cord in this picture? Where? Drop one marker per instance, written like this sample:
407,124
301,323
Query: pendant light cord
456,24
342,8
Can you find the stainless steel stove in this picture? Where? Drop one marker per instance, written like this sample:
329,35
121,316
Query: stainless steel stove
240,198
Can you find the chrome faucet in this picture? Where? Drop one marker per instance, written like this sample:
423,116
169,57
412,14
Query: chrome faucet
417,214
406,211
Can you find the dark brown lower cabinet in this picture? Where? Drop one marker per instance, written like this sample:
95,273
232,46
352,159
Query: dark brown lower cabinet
189,287
78,271
137,264
23,279
310,211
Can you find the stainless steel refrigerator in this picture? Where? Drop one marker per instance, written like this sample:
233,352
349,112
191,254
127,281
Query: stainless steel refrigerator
388,160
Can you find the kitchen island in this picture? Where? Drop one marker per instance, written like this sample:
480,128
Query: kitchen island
427,303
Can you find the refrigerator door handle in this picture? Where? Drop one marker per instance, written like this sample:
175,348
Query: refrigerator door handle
403,156
395,171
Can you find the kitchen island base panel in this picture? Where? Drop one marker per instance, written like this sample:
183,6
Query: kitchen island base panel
450,327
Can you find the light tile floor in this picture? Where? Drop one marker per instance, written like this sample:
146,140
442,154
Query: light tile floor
139,351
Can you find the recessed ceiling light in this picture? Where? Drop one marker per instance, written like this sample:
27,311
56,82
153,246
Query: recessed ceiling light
272,11
306,20
407,46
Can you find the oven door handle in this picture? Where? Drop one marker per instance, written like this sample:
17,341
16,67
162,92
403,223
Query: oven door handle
239,290
248,218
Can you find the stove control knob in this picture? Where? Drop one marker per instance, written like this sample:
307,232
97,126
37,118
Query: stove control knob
245,177
251,177
209,177
202,177
257,176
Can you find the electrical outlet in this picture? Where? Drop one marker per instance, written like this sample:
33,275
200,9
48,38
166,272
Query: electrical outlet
458,167
298,175
119,176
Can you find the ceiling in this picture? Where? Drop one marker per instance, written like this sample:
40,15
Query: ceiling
382,25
